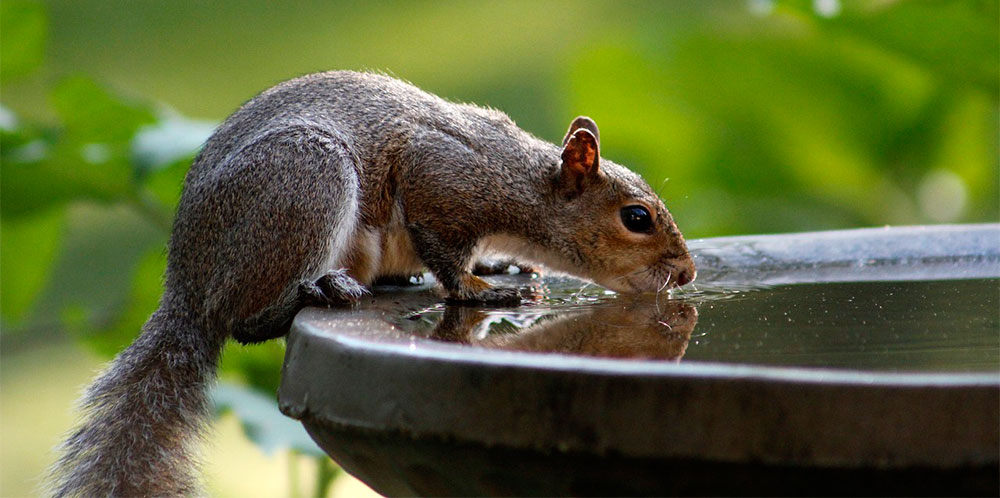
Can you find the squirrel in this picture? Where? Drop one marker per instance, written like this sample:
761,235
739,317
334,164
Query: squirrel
638,329
307,194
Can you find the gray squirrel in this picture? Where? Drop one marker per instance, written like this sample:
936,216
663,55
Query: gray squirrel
306,195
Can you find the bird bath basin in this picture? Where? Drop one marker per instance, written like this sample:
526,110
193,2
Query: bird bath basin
860,361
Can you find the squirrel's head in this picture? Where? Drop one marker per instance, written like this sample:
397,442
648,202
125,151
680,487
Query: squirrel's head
616,229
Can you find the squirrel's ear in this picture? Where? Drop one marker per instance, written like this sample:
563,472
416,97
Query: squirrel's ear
580,154
585,123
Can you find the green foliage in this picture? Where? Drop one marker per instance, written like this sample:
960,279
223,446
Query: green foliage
799,120
143,297
118,153
91,114
23,29
961,44
47,170
87,157
261,421
258,365
136,160
27,250
766,117
271,431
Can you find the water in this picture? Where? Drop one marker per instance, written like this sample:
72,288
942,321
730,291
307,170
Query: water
941,325
950,325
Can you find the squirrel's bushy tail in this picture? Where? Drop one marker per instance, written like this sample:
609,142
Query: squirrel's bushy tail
144,416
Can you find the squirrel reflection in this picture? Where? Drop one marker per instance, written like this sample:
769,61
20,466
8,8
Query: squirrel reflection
640,329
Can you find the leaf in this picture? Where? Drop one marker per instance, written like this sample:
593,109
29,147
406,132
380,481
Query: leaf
23,32
963,131
171,139
93,151
28,251
89,157
261,420
165,184
109,255
258,365
958,41
162,154
143,298
32,181
25,189
91,114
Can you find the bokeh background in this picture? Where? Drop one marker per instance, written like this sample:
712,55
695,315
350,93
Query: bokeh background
751,116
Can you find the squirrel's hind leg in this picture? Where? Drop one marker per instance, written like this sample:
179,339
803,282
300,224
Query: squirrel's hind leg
297,226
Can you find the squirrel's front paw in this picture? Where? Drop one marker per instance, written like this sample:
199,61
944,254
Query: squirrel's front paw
500,296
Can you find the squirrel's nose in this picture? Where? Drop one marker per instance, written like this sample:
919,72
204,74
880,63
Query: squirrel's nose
685,277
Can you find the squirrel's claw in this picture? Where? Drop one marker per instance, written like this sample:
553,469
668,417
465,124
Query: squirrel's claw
335,287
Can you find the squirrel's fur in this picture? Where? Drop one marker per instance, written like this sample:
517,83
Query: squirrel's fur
306,195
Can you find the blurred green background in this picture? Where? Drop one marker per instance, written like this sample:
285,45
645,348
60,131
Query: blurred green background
748,117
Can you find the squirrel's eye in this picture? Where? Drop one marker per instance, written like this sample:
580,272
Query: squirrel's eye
637,219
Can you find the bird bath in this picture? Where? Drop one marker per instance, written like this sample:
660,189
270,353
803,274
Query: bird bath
858,361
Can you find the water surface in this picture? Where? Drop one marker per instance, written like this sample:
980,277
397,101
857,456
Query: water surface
941,325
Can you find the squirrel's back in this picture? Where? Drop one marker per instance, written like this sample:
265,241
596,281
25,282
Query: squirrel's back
365,110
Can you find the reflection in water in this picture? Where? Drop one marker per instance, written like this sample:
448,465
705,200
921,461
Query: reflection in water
637,330
944,325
